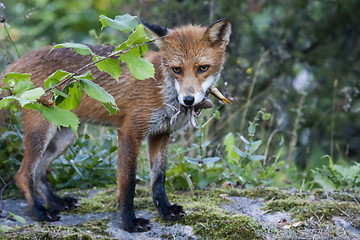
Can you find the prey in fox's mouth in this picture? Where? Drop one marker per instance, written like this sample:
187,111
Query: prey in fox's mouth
196,110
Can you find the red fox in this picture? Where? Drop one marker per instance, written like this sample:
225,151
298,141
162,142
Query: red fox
187,66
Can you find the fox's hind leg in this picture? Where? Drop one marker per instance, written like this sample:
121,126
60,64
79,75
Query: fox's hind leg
59,142
39,152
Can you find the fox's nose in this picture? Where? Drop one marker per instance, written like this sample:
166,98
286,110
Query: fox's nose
189,100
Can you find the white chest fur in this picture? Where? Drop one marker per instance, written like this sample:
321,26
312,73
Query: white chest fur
170,117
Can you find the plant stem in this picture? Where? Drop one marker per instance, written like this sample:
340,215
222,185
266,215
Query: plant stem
333,119
294,134
251,89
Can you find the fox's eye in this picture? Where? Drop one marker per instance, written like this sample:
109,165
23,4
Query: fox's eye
203,68
176,70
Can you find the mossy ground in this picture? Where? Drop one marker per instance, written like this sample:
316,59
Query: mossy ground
315,210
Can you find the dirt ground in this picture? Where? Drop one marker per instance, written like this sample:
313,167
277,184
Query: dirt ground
264,213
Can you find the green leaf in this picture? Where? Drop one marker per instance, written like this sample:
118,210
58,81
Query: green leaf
256,157
124,23
58,116
203,181
56,78
109,65
209,160
78,47
13,78
216,114
76,169
96,92
229,141
239,152
22,87
18,218
32,94
112,109
266,116
191,160
244,140
6,102
331,162
88,76
5,228
74,95
137,37
254,146
252,129
140,68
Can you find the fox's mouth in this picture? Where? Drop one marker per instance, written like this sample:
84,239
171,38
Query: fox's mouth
195,111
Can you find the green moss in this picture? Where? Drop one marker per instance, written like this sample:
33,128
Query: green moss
50,232
306,209
284,205
208,220
356,222
98,227
103,201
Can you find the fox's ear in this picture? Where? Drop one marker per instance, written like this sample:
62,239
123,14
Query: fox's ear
219,32
156,30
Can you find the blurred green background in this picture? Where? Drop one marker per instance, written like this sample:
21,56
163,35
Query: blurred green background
300,60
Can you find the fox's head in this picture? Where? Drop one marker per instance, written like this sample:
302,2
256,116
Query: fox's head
193,57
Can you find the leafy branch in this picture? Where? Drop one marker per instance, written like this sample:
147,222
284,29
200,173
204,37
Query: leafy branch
56,105
113,54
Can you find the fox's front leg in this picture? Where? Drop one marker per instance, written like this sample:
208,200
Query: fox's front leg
157,153
129,146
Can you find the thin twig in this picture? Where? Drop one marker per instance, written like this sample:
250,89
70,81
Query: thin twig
1,194
3,21
343,212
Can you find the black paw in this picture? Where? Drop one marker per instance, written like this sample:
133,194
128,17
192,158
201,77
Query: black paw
42,214
70,203
175,212
137,225
63,204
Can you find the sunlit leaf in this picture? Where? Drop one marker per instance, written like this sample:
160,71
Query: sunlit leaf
18,218
78,47
109,65
14,78
140,68
71,102
56,78
33,94
22,87
124,23
59,117
96,92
